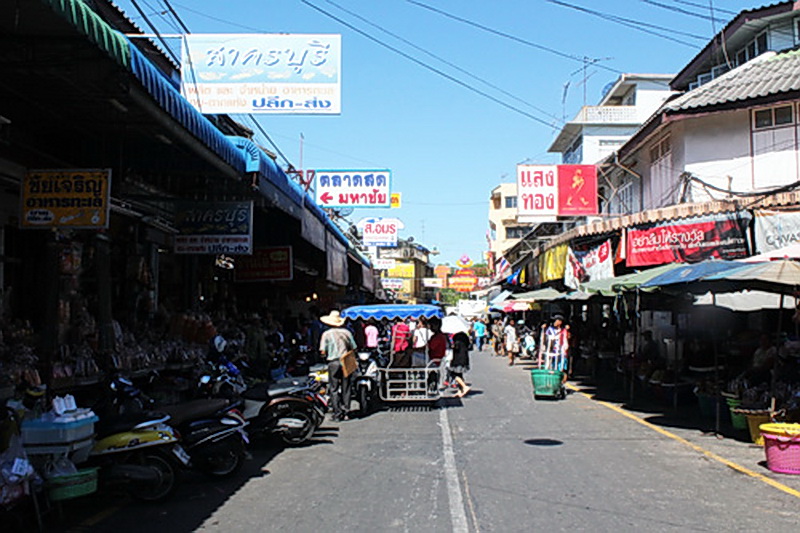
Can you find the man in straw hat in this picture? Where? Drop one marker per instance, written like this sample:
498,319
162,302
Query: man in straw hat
333,344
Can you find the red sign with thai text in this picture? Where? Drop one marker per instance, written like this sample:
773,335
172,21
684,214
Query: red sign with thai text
719,236
266,264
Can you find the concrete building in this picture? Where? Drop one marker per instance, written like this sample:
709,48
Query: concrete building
503,227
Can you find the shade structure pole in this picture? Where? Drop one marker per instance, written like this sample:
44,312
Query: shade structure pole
636,326
774,376
716,375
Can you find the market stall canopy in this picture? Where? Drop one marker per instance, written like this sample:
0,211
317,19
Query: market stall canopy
745,301
500,298
514,305
576,296
541,295
789,252
687,273
392,311
774,276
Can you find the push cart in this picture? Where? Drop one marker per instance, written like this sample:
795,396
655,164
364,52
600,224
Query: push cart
403,384
548,383
548,378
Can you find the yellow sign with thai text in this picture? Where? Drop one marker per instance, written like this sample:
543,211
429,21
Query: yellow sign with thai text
401,270
66,199
396,200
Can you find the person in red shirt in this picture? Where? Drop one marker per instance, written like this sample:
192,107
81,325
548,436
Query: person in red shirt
437,348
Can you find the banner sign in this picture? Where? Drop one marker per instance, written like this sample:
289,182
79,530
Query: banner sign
462,283
392,284
441,271
545,192
273,263
383,264
262,73
214,228
379,231
776,229
401,270
77,199
434,283
552,263
596,263
353,188
719,236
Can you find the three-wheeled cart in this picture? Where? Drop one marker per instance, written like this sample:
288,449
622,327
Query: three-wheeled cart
548,377
403,384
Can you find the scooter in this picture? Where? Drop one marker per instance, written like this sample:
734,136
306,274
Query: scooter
367,382
528,348
291,409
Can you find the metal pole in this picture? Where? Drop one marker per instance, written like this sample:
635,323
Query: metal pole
716,372
774,377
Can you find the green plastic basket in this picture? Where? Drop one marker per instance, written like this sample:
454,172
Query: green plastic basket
738,420
546,382
73,485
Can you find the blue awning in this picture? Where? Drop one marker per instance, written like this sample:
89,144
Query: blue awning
392,311
171,101
258,161
693,272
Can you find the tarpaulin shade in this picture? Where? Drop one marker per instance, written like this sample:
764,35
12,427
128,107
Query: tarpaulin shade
689,273
392,311
541,295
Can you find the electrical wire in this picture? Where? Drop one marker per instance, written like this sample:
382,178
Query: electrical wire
155,31
445,61
427,66
701,6
217,19
507,35
634,24
684,11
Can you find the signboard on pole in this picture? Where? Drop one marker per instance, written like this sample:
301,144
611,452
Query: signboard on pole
392,284
77,199
545,192
353,188
273,263
262,73
379,231
214,228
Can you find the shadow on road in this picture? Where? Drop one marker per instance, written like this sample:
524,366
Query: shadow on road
543,442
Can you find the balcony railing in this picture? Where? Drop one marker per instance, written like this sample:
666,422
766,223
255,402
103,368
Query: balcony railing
608,114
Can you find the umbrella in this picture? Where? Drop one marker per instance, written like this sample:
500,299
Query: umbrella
515,305
775,276
452,324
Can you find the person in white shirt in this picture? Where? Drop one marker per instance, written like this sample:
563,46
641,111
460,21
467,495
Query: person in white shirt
511,342
421,337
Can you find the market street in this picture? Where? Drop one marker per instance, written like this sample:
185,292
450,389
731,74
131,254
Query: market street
517,464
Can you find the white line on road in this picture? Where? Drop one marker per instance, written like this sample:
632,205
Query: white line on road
457,514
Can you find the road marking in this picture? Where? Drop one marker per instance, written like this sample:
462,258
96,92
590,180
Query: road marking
457,515
711,455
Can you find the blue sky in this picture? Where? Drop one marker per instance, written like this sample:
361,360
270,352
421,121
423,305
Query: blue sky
448,147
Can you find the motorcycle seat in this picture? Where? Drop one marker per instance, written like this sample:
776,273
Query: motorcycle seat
186,412
126,422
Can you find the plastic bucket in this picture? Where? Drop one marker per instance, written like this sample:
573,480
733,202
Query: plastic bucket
754,421
738,420
782,447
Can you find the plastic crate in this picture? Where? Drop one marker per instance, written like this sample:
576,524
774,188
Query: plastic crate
38,432
546,382
82,483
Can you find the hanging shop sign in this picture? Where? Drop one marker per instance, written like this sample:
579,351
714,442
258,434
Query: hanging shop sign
273,263
214,228
353,188
401,270
396,200
592,264
433,283
441,271
383,264
77,199
392,284
379,231
336,257
776,229
545,192
262,73
719,236
462,283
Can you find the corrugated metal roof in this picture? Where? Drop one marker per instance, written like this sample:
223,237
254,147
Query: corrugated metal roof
768,75
94,28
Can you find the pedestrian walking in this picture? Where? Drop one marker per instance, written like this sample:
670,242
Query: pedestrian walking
497,337
480,333
511,342
334,344
460,363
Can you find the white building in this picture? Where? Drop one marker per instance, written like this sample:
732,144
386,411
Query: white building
503,227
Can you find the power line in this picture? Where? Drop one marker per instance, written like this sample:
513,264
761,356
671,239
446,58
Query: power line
446,62
507,35
155,31
217,19
683,11
630,23
701,6
427,66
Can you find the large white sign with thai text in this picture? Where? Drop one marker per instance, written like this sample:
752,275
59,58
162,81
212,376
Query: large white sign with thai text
537,193
262,73
353,188
379,231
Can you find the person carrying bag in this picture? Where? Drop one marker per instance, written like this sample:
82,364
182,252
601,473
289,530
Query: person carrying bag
338,347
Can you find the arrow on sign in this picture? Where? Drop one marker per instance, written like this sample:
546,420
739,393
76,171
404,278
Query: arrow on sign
326,197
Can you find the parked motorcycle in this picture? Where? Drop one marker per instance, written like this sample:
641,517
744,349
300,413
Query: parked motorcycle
291,409
366,383
528,346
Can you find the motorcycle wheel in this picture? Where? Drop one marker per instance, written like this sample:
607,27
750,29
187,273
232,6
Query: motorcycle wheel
167,477
225,460
363,401
301,436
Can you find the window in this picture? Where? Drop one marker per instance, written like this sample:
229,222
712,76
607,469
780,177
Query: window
772,117
612,142
511,202
754,48
661,178
515,232
574,154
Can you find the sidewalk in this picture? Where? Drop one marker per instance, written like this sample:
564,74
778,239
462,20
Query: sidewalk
731,447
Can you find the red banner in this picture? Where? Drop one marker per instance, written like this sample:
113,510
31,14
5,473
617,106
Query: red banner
577,190
719,236
266,264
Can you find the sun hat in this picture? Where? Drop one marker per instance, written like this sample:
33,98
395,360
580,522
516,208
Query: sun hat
333,319
558,316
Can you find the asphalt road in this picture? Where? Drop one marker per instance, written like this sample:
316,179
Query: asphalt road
498,460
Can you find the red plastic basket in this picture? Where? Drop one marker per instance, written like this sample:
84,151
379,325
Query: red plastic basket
783,451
